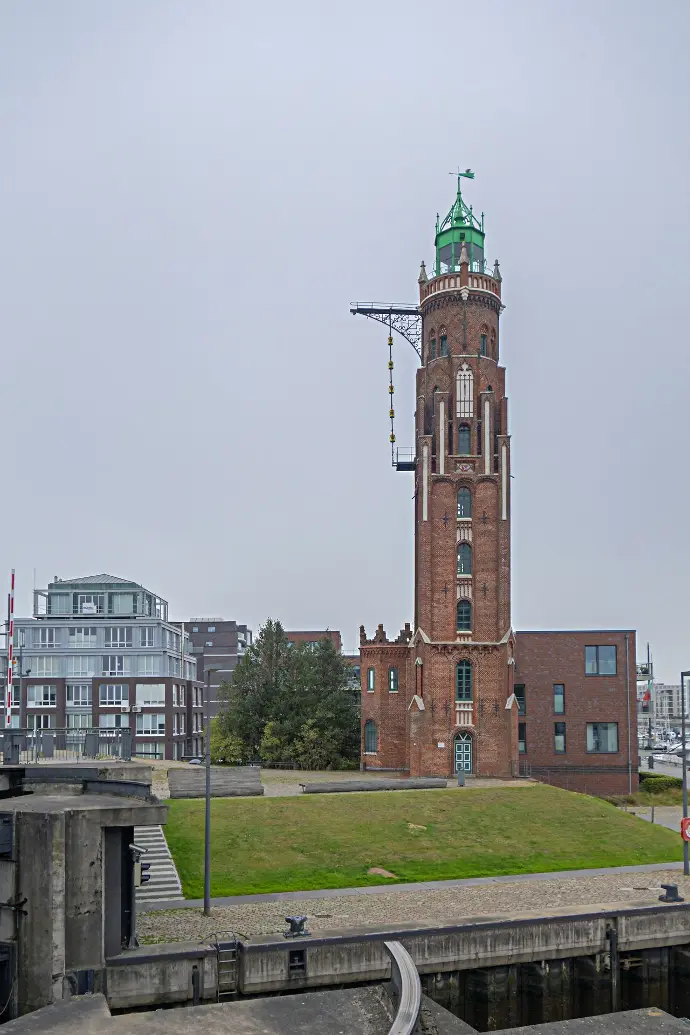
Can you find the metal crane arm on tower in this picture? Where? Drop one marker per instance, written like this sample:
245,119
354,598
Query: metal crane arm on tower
400,317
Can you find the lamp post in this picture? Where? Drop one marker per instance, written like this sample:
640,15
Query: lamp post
207,826
683,676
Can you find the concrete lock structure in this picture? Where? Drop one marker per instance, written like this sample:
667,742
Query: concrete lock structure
67,876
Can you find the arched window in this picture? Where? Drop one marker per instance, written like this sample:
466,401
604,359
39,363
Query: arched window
463,681
464,503
463,616
482,347
443,342
464,559
371,737
464,440
432,345
465,392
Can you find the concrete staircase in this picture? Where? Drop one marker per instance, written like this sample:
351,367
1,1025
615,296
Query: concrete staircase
164,884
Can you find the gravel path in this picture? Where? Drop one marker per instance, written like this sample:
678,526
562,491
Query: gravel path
392,907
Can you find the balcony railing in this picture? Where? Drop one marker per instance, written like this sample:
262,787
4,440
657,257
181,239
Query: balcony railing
25,746
464,713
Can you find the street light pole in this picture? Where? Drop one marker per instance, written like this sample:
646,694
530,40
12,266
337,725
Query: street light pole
683,676
207,826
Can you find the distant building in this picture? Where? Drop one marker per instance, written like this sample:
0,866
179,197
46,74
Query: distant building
295,638
100,652
217,645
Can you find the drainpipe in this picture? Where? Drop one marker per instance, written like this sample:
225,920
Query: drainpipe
627,691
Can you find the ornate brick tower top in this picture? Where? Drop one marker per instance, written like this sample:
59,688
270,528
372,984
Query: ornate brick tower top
439,699
462,445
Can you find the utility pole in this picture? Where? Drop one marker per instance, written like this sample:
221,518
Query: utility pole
207,826
683,677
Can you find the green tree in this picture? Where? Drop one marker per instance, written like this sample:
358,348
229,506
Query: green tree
224,746
292,703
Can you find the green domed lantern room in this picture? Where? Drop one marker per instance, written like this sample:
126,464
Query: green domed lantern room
460,227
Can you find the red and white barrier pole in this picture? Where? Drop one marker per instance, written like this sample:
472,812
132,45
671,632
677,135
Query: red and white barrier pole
10,648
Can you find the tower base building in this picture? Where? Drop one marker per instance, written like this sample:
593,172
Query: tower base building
460,691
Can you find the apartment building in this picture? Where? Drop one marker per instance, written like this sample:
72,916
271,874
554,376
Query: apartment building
100,652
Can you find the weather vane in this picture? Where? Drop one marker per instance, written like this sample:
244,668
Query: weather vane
467,173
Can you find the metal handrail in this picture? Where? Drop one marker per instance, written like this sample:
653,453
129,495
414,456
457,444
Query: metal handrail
405,989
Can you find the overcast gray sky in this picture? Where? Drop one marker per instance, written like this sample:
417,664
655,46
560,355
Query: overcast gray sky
192,193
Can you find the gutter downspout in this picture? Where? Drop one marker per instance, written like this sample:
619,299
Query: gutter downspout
627,692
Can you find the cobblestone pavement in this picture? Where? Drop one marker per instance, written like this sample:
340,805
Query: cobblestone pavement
438,905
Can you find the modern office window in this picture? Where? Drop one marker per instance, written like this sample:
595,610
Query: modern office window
151,723
46,638
602,737
15,695
464,440
371,737
463,681
118,636
148,749
146,636
174,695
464,503
211,629
90,603
559,738
393,680
121,604
82,636
195,628
183,724
182,697
522,738
208,643
463,616
600,661
148,694
40,722
113,694
44,666
559,698
81,665
443,345
464,559
521,698
59,604
113,665
79,720
38,696
78,695
371,679
148,664
482,347
113,721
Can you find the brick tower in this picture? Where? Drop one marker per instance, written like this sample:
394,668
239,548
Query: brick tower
439,698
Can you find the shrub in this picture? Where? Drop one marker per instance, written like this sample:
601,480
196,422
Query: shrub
659,784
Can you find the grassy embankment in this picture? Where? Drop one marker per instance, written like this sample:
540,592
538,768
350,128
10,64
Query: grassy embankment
331,841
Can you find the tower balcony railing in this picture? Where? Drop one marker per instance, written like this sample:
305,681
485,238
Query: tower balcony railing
478,266
404,458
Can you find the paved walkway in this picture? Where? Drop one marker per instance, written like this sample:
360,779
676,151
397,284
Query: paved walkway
431,901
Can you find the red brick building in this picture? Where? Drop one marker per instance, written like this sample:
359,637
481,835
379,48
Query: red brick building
440,697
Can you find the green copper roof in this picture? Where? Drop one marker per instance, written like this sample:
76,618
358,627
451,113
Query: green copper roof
460,227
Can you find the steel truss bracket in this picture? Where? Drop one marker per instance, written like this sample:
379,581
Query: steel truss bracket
404,319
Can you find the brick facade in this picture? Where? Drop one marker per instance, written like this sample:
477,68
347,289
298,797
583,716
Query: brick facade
546,659
453,704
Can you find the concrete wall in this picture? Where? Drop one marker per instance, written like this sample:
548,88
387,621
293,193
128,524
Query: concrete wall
359,955
158,974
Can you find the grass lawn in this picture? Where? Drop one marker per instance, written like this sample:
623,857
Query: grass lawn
331,840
